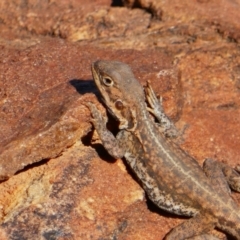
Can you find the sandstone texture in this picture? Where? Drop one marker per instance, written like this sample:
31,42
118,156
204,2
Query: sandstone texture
56,179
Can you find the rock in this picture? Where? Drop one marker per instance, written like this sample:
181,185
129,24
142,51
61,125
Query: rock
42,110
56,200
61,182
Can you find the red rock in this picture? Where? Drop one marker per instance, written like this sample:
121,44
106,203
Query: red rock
41,111
78,191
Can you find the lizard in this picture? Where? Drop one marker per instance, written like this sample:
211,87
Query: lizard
172,179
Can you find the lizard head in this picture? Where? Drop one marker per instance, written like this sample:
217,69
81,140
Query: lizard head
120,91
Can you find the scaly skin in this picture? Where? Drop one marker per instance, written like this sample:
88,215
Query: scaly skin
172,179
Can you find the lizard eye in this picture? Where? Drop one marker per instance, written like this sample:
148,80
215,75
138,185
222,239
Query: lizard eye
119,104
108,81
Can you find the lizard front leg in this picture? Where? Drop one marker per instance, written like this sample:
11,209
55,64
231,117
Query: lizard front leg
167,127
109,141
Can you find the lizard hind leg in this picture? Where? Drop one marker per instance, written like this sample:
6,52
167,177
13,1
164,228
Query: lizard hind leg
232,176
215,174
195,228
222,176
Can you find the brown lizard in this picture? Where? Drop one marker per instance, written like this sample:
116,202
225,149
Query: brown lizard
172,179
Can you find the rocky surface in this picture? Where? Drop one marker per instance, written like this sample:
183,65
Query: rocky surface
57,180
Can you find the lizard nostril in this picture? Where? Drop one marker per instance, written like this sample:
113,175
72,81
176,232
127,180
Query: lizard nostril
119,104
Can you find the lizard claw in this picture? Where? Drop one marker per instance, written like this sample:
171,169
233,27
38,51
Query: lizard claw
97,117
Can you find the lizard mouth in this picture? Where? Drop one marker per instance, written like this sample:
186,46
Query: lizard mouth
95,75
